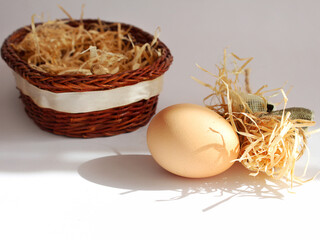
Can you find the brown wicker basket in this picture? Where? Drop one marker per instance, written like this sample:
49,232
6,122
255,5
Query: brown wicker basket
107,122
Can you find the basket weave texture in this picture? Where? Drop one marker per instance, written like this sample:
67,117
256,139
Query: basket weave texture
90,124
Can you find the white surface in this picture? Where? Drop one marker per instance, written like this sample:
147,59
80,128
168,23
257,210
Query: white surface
52,187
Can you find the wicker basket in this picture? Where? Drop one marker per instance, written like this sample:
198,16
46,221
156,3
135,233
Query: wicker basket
107,122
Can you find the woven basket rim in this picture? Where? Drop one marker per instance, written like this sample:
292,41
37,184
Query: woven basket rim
12,59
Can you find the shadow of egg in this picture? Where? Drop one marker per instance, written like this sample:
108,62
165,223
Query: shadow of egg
134,172
141,172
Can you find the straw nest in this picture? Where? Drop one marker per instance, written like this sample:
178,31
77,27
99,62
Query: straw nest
269,143
57,47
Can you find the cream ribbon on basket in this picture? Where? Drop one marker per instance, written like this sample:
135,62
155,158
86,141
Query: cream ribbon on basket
81,102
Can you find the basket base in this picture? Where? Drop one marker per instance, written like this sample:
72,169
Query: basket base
104,123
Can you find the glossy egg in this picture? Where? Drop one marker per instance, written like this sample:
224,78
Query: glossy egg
192,141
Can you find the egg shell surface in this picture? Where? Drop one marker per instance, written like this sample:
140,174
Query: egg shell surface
192,141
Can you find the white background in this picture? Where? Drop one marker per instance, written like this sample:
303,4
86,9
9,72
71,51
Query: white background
53,187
